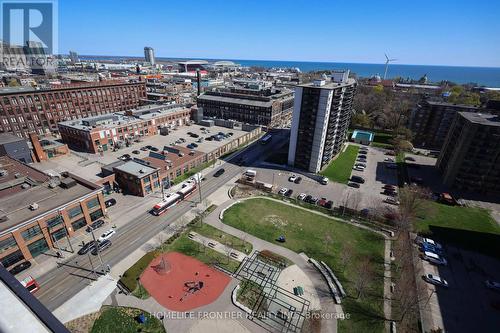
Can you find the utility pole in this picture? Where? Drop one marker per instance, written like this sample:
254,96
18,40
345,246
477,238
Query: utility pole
92,264
96,244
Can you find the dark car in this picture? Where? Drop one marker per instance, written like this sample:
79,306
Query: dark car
153,149
101,246
194,145
210,138
97,224
308,198
357,179
362,156
390,193
86,247
288,193
195,135
144,148
328,204
110,202
136,152
298,180
125,157
219,172
352,184
19,268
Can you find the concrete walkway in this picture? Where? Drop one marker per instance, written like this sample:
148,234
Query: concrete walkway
215,245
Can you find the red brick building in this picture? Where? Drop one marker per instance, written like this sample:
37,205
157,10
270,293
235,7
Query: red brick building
40,213
102,133
25,110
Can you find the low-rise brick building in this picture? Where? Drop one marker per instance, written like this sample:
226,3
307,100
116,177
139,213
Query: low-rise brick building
102,133
40,213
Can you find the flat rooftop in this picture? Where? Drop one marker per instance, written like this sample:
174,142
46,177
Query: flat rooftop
23,185
136,169
9,138
329,84
485,119
236,100
124,118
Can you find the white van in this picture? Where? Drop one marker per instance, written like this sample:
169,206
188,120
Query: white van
250,173
434,258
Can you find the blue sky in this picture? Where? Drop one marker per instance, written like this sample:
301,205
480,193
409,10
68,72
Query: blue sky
428,32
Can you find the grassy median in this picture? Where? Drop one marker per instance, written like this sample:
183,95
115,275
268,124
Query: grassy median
351,252
340,169
124,320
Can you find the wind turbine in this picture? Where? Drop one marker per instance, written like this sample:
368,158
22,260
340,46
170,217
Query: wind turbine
387,61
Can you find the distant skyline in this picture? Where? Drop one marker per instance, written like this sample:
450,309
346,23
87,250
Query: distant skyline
453,33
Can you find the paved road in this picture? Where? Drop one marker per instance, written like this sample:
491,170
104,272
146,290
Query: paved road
60,284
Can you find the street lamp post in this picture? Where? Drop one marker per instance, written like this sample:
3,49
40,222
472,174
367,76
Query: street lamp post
96,244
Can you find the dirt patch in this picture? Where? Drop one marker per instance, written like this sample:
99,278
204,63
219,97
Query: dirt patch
276,220
83,324
244,191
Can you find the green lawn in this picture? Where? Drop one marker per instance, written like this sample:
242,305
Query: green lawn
340,169
456,217
222,237
183,245
305,232
123,320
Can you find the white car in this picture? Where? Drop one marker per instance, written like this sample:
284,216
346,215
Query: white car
435,280
292,178
107,235
492,285
391,201
324,181
301,196
433,243
358,168
283,191
389,159
434,258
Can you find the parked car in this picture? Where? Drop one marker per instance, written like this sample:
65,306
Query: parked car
95,225
389,187
86,247
194,145
313,200
391,201
101,246
426,247
136,152
154,149
363,165
107,235
289,192
390,193
357,179
329,204
195,136
389,159
435,280
144,148
20,267
298,180
308,198
362,156
361,151
322,202
125,157
301,196
282,191
434,258
492,285
219,172
292,178
323,181
357,168
110,202
432,242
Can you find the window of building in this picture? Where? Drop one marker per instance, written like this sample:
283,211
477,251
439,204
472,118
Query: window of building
75,211
146,180
92,203
7,243
57,235
38,247
148,189
12,258
31,232
54,221
78,224
95,215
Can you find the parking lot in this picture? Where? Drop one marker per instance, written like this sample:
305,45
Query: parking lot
88,166
368,195
467,305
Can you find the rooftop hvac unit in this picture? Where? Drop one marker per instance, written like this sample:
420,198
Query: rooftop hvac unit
25,185
17,175
68,182
33,206
142,171
52,185
3,172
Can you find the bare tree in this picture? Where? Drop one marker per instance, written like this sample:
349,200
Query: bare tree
346,254
364,276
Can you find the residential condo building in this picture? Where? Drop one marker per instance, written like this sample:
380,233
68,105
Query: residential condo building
321,116
470,158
